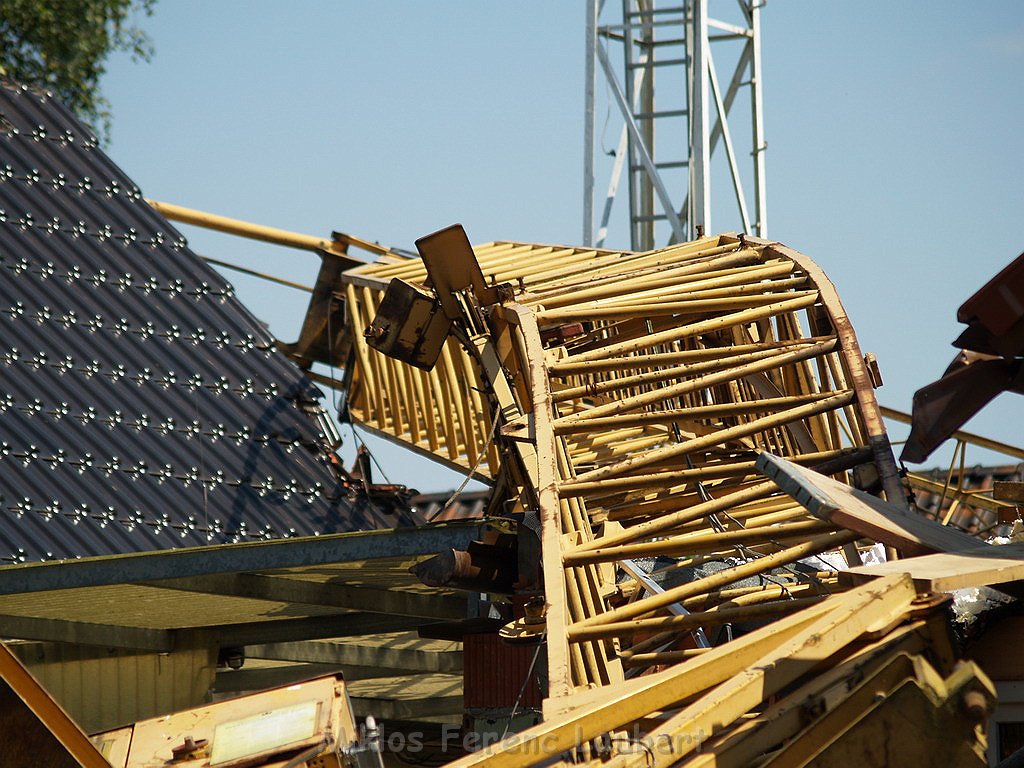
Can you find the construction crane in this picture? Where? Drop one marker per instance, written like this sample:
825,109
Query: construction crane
689,475
659,65
619,404
687,461
684,449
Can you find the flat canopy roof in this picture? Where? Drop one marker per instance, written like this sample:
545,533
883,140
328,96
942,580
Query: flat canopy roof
238,594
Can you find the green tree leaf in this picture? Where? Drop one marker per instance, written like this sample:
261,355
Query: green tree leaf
63,45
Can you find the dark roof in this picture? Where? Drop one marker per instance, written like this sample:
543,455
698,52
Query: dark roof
141,405
468,505
965,515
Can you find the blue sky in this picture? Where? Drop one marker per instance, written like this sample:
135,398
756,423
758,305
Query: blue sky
894,152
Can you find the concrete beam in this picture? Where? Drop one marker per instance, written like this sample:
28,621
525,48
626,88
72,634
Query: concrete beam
236,558
291,590
86,633
309,628
357,655
226,636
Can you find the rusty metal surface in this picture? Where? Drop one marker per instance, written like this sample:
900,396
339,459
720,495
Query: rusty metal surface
436,506
141,405
409,326
945,405
495,673
997,304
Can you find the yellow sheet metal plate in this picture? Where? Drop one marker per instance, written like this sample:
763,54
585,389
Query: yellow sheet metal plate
265,732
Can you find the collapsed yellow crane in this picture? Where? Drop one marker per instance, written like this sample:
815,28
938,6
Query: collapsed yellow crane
630,396
630,405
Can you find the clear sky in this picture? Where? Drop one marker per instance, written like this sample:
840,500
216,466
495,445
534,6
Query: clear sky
894,146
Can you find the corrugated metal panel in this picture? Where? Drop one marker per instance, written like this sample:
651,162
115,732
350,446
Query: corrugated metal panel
141,405
103,688
494,672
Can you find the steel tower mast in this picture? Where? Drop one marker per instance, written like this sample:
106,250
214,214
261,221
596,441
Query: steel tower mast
669,180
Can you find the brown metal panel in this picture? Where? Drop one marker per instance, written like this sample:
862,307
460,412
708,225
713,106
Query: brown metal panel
999,304
494,673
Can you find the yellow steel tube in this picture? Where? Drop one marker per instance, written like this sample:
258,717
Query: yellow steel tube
763,593
618,284
695,329
695,543
652,308
675,415
625,702
571,367
731,433
705,381
884,602
713,616
594,388
260,232
724,282
814,546
674,520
